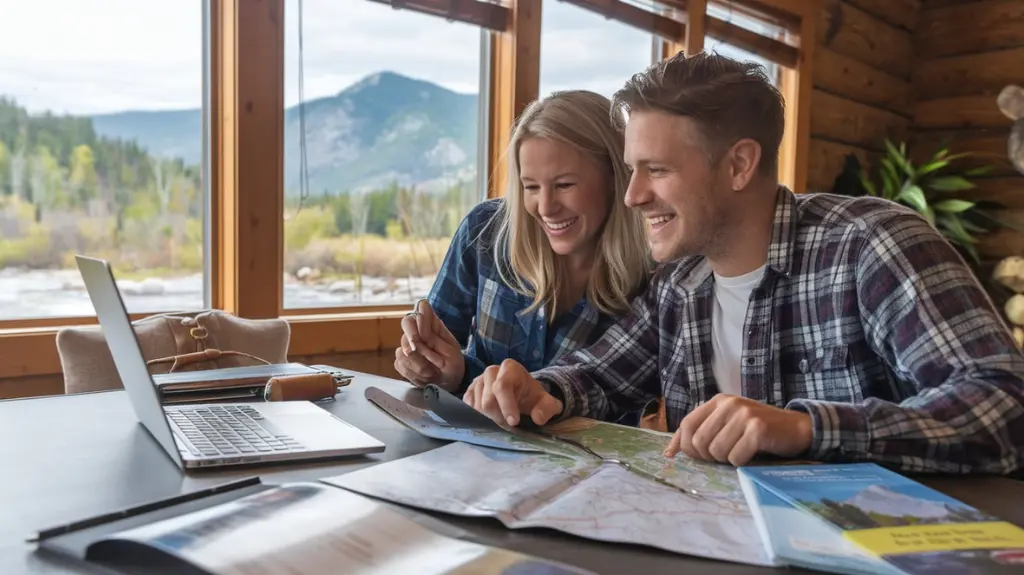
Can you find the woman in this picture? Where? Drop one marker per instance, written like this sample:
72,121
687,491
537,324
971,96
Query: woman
544,270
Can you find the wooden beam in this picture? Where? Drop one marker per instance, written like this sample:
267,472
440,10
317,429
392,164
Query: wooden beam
841,120
967,28
987,148
483,14
960,113
827,160
29,352
696,21
514,83
353,332
981,74
784,13
860,82
853,32
250,154
799,124
901,13
768,48
633,16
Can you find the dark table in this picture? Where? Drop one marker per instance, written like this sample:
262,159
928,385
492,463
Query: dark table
65,458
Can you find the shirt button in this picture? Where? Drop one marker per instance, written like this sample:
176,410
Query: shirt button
803,366
536,353
750,360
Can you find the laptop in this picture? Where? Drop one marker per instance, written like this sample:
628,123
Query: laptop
214,434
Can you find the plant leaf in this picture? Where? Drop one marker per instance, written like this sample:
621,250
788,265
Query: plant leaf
891,179
950,184
899,158
956,229
954,206
929,214
913,196
931,167
979,171
867,184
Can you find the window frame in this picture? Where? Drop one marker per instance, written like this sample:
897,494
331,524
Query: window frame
244,113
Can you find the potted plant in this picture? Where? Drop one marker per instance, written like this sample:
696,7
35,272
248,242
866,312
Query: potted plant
932,189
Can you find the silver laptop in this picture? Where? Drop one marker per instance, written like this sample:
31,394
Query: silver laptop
214,434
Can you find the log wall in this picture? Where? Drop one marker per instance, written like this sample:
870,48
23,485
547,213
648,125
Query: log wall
863,66
966,52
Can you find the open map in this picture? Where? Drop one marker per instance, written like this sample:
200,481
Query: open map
572,491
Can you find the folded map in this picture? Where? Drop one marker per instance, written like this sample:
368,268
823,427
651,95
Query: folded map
526,480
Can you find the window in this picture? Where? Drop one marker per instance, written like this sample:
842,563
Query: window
581,49
100,153
388,165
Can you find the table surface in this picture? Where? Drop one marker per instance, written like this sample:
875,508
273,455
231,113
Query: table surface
70,457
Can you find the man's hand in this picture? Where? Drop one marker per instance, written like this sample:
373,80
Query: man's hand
734,429
429,353
502,393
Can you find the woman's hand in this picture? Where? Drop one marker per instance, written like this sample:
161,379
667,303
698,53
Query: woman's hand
429,352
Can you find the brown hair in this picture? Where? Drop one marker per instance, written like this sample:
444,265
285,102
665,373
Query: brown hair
728,99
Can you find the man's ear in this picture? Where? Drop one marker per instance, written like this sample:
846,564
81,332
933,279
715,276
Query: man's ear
744,157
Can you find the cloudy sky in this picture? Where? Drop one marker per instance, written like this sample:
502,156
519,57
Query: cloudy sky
99,56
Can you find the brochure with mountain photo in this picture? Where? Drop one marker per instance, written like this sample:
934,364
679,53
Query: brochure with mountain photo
892,518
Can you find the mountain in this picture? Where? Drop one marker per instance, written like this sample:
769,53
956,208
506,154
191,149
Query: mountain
884,501
386,127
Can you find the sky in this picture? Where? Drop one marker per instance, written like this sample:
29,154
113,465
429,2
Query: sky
99,56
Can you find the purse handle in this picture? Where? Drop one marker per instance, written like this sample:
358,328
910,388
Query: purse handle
199,333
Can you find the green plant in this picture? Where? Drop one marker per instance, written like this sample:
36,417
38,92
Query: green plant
931,190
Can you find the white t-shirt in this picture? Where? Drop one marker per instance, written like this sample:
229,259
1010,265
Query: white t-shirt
732,296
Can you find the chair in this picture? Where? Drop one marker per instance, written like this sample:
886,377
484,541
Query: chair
88,366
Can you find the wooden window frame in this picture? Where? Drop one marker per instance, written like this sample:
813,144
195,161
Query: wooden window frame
245,113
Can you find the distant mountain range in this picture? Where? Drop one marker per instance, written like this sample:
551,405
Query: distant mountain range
885,501
384,128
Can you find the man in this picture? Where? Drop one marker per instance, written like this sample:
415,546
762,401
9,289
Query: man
813,326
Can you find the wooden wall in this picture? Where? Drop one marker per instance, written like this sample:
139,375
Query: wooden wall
862,71
966,52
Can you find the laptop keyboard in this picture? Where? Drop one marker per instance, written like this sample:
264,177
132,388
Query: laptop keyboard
229,430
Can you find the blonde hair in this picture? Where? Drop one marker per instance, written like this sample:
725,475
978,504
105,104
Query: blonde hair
583,120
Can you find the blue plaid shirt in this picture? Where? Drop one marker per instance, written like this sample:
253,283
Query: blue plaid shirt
488,317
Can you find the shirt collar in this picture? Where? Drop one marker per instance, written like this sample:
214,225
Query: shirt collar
697,271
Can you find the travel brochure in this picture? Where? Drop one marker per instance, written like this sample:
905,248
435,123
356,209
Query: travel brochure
864,518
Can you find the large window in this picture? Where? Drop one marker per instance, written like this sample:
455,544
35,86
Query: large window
100,153
381,139
585,51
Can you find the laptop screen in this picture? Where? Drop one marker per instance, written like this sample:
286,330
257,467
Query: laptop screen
125,349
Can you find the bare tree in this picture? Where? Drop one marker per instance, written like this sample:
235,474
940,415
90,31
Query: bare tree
359,209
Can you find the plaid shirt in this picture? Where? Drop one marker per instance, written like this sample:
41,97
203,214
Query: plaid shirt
488,317
866,319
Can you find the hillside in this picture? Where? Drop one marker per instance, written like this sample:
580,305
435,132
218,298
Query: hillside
384,128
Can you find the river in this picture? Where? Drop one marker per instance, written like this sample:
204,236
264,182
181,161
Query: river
61,293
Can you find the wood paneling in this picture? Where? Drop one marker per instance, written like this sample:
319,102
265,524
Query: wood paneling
902,13
973,27
515,80
249,232
31,386
1006,191
987,148
855,33
981,74
846,121
965,112
827,160
860,82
